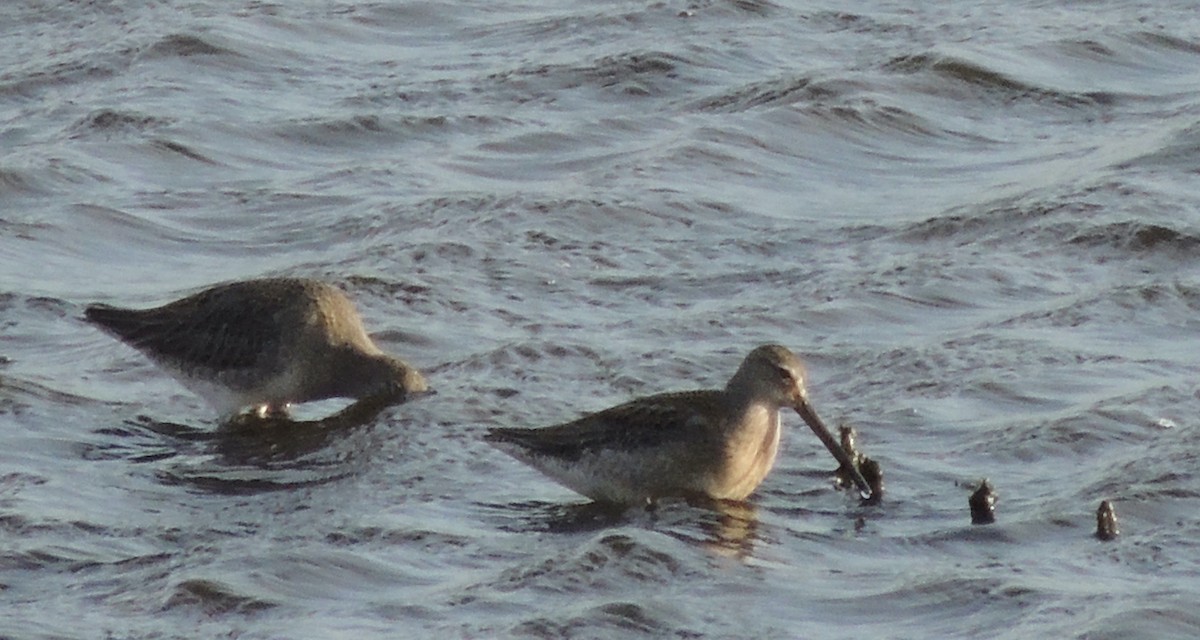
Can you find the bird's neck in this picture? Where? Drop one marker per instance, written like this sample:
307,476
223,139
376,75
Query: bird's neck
747,411
740,393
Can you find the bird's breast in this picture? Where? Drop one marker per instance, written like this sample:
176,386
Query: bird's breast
750,453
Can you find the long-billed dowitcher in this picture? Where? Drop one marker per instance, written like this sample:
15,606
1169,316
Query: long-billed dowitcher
717,443
263,344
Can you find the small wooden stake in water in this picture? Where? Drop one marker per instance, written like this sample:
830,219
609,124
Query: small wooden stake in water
983,504
1106,522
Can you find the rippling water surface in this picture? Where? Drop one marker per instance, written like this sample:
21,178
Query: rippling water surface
977,220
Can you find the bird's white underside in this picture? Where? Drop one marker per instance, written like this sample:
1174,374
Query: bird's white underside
636,476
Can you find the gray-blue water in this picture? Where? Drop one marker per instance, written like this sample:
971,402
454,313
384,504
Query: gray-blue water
978,221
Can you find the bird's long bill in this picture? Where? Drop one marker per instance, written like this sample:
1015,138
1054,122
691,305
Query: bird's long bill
806,411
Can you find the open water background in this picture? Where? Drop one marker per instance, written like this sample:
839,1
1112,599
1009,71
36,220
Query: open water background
979,222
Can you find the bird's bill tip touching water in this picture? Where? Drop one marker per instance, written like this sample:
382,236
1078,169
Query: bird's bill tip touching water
818,426
403,379
413,395
408,393
415,384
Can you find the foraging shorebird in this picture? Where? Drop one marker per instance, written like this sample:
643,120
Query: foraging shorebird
716,444
264,344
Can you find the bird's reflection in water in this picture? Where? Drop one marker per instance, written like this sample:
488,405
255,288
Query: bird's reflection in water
730,527
727,528
249,439
556,517
735,530
253,454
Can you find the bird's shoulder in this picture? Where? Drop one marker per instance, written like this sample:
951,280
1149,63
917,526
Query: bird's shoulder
224,327
644,422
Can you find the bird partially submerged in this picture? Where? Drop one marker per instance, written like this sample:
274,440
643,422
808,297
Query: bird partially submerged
717,444
263,344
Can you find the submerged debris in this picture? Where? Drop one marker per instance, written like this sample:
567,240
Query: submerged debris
873,474
870,469
983,504
1106,521
849,437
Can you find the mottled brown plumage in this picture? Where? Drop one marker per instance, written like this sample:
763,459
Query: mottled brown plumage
716,443
262,343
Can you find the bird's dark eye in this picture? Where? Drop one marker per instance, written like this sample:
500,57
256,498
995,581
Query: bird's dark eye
785,374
